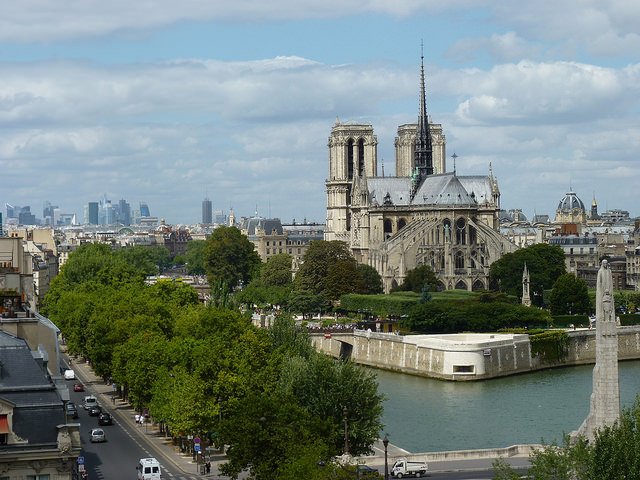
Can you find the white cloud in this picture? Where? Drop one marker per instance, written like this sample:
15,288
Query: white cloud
554,92
45,20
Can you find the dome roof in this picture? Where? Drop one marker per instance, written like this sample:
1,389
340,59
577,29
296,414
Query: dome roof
570,202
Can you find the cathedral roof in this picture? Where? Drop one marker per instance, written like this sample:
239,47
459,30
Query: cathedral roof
443,189
393,190
479,186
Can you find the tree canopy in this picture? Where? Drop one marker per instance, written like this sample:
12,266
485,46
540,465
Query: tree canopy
328,269
544,262
195,257
417,278
570,295
267,394
230,258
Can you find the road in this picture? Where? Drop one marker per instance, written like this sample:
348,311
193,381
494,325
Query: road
116,459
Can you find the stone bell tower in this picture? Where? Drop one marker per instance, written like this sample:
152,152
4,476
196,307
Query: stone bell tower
353,153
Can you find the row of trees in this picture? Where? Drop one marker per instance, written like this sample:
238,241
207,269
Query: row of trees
329,270
278,404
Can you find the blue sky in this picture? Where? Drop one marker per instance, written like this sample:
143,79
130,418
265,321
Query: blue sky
167,102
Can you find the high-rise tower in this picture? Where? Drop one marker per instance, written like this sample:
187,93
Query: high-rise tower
207,212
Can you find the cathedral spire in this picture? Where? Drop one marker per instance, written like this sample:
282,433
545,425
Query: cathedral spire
424,151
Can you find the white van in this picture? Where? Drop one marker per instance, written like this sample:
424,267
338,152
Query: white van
148,469
89,401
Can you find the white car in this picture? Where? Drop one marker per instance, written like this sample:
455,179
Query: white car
69,374
97,435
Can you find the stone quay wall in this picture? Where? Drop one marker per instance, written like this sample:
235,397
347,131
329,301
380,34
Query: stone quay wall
465,357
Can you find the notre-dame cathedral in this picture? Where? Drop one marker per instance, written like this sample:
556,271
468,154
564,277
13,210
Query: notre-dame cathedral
422,215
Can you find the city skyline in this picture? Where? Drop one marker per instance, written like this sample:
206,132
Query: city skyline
235,101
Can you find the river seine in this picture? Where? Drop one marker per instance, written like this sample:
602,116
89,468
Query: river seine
426,415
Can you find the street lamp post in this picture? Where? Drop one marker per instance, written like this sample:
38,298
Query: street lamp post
385,442
346,430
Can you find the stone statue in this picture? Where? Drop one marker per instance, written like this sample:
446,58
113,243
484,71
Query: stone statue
604,293
605,398
65,445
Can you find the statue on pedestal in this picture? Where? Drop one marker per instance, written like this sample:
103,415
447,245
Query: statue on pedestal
605,398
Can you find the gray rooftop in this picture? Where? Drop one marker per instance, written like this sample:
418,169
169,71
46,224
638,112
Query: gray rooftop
441,189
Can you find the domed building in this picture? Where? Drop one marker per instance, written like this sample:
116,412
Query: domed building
571,210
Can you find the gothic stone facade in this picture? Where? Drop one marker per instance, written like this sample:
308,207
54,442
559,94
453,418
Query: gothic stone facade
396,223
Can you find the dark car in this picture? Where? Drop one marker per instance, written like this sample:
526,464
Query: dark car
365,471
105,419
71,410
95,411
78,387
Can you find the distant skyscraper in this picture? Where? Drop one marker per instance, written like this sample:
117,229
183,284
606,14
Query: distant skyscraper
48,213
207,214
11,211
219,217
144,210
124,212
25,217
92,213
108,214
1,227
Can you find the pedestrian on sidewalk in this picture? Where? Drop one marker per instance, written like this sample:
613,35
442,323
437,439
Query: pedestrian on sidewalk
137,416
208,466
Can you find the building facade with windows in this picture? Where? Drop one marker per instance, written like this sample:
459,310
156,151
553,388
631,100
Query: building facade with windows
37,440
270,237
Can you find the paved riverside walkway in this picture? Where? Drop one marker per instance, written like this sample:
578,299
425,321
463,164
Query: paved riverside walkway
165,451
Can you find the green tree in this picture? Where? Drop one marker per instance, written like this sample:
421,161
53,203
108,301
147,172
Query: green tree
570,295
230,258
370,280
328,389
195,257
283,430
418,277
328,269
544,262
150,260
276,272
307,303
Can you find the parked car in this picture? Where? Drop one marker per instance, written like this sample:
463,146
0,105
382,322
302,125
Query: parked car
95,411
71,410
97,435
365,471
105,419
69,374
78,387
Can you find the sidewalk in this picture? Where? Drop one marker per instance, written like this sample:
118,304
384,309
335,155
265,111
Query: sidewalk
149,432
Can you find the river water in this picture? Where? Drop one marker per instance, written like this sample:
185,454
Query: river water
426,415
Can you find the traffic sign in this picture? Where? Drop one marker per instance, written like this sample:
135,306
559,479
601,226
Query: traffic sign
196,440
196,447
81,460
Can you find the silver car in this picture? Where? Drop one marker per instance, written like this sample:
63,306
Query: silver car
97,435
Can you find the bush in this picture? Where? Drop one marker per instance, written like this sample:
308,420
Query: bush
551,346
565,321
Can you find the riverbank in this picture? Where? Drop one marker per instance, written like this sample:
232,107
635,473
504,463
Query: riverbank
467,357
